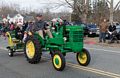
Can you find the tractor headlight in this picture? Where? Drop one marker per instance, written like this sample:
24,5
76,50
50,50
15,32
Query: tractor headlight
65,39
53,28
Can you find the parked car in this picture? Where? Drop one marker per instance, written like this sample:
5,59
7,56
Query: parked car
118,31
83,25
93,30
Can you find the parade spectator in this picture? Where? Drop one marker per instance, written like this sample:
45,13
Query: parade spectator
65,22
112,28
113,33
4,29
30,26
18,32
0,28
12,26
24,27
103,29
57,23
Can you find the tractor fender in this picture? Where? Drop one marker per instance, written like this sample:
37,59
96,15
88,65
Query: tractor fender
9,39
39,38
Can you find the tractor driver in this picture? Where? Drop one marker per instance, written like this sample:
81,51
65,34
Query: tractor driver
41,26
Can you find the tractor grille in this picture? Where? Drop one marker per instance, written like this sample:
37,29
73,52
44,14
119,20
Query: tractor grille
77,36
74,36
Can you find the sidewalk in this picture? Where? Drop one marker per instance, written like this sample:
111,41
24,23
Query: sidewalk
95,41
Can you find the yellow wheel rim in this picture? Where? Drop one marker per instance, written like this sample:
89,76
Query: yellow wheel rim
82,58
30,49
57,61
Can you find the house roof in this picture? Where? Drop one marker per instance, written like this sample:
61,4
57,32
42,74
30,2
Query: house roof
18,15
12,15
27,18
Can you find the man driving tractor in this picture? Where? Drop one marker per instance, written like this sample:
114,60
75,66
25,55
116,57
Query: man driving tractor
41,26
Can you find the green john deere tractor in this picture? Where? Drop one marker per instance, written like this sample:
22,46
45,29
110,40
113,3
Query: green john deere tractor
65,39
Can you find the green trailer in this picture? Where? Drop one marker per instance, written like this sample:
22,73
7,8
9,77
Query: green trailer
14,45
65,39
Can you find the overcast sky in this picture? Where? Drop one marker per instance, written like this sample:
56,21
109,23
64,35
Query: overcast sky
39,4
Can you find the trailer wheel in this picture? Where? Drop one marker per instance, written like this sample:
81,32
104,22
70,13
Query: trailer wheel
33,50
11,53
58,61
83,58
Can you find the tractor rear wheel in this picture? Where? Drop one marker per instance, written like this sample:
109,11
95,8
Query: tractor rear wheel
83,58
58,61
33,50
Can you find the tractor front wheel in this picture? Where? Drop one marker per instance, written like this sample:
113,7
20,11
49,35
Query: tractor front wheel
83,57
58,61
33,50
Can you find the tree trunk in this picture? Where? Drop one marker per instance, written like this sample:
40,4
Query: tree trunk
86,4
111,12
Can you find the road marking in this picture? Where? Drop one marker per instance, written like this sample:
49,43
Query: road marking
93,70
105,50
97,71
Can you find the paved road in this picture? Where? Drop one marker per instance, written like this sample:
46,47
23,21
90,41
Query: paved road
105,63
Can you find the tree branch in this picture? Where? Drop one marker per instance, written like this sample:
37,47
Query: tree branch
69,3
117,5
108,1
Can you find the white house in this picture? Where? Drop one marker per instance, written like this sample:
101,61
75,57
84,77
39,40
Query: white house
4,20
18,19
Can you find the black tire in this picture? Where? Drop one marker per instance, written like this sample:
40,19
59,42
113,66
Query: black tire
53,51
87,61
11,53
62,58
38,50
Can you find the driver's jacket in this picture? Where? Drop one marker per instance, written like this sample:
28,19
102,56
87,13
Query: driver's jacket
39,25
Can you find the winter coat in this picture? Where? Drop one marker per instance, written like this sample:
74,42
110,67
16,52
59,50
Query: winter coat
103,27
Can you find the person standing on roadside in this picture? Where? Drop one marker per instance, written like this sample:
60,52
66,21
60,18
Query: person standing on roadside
12,26
103,29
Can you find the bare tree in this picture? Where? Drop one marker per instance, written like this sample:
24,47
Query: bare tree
6,9
112,9
80,8
100,10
